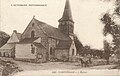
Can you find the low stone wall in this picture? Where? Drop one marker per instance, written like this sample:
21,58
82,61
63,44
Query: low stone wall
73,59
30,60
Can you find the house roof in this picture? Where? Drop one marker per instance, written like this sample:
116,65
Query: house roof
64,45
19,35
39,45
51,31
7,46
28,40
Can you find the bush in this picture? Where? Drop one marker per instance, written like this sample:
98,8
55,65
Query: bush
97,62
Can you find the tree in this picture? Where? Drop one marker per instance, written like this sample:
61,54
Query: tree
78,45
86,50
3,38
97,52
107,51
111,27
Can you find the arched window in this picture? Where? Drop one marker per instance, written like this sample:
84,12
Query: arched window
32,49
8,55
51,51
32,24
32,34
73,51
0,54
3,54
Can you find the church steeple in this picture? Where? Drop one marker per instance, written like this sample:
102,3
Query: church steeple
67,15
66,23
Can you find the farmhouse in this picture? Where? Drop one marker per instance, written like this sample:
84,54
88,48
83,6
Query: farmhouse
41,42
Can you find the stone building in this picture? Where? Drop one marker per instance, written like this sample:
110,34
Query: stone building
41,42
8,49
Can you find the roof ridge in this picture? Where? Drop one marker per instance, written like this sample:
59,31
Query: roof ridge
51,31
46,23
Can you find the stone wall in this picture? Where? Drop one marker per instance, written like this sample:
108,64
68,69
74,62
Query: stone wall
33,26
62,54
41,55
52,44
24,51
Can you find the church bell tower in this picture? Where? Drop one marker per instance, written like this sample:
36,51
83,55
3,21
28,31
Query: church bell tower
66,23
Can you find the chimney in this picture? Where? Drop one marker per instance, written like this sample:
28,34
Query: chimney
15,31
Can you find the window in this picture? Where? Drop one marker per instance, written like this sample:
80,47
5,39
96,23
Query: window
32,49
8,55
51,51
0,54
3,54
32,34
39,56
72,51
32,24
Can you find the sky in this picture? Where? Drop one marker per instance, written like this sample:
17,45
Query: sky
86,15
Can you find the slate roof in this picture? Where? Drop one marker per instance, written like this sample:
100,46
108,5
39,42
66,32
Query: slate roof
7,46
28,40
19,35
67,15
39,45
64,45
51,31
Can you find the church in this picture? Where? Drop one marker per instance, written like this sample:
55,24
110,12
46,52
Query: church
41,42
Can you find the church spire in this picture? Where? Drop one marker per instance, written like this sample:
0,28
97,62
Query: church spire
66,23
67,15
